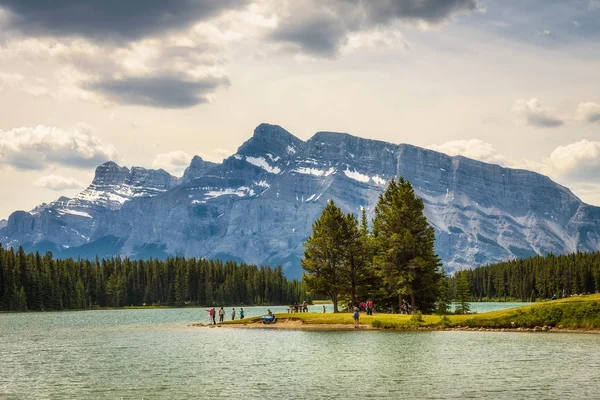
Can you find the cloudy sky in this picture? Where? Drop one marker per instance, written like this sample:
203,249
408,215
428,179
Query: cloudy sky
153,82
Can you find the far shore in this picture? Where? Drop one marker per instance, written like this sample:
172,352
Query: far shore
579,314
290,324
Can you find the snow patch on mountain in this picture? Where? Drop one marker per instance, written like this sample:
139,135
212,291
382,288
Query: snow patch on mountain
262,163
240,192
314,171
74,212
379,180
357,176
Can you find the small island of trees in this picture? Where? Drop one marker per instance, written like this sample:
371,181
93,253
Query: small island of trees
392,263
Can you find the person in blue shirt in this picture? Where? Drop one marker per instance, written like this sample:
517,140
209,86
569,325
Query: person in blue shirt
355,316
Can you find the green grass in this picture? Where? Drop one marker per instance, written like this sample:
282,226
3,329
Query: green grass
582,312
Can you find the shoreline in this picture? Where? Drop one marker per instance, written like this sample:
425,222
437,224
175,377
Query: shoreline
299,325
571,315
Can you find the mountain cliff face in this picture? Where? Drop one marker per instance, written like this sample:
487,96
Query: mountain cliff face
258,205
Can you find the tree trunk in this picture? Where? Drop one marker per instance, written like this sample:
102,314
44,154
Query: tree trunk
400,303
412,301
334,297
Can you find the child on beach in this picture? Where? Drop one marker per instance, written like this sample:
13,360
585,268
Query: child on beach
355,316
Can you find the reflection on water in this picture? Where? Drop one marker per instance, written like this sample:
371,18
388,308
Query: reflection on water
156,354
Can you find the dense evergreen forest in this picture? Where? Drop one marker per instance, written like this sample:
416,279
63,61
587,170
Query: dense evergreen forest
534,278
35,282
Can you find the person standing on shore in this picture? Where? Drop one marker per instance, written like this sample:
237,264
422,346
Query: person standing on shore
221,315
214,316
233,314
355,316
241,313
324,309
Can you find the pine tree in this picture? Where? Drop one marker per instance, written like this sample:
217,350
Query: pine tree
462,294
354,261
405,257
445,296
324,255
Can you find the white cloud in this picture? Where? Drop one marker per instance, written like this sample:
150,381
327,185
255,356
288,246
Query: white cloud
34,86
533,112
57,182
594,5
472,148
588,112
9,80
173,161
378,39
575,162
29,148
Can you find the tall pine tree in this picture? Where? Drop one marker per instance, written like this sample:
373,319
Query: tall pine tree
404,244
324,255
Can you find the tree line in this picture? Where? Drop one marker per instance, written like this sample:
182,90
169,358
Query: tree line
540,277
30,281
394,263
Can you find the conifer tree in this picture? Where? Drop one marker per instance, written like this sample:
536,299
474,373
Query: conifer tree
445,296
354,261
405,257
462,293
324,255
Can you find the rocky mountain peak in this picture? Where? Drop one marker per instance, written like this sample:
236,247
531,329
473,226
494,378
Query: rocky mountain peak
151,178
110,173
272,139
198,167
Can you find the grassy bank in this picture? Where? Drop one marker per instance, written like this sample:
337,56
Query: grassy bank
576,313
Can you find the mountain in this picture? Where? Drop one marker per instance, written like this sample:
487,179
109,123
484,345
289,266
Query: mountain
259,204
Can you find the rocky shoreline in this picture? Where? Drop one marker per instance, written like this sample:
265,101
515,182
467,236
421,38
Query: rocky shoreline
286,324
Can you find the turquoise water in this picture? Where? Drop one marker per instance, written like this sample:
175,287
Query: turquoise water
490,306
156,354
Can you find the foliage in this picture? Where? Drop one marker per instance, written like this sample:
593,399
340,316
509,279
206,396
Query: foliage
445,295
324,255
535,278
405,258
462,294
345,261
581,312
33,282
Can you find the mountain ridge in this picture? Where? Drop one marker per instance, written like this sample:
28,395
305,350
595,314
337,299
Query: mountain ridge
258,205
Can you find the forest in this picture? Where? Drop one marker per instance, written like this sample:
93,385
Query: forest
534,278
30,281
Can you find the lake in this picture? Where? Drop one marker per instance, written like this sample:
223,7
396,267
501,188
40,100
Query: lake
155,354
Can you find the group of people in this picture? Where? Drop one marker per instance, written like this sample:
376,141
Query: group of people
406,308
363,306
212,315
298,307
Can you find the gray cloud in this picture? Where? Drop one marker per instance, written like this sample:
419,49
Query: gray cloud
321,27
532,112
159,91
321,36
110,19
426,10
